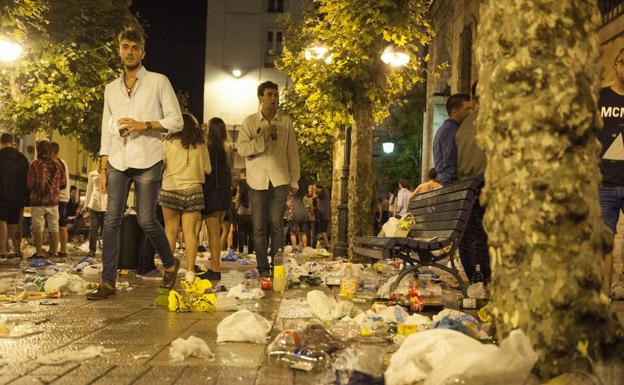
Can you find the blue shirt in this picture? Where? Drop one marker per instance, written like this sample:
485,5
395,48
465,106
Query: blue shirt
445,152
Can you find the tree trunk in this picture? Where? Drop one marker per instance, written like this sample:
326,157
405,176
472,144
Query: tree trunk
538,83
360,170
337,165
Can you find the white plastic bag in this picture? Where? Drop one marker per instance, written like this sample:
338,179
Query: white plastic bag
243,326
326,308
239,291
477,290
438,355
193,346
65,283
390,227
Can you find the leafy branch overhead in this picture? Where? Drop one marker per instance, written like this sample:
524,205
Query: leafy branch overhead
70,54
356,32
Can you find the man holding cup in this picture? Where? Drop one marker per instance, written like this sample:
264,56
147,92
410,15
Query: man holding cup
138,107
269,145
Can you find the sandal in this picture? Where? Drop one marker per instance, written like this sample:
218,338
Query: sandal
169,277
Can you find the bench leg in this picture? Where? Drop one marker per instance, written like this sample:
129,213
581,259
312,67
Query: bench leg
415,267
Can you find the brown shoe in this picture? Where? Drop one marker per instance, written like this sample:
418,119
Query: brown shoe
169,277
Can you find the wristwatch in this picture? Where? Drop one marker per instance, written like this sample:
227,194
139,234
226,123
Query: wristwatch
148,126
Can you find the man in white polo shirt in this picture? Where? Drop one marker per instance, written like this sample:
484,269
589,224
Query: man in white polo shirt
138,107
269,145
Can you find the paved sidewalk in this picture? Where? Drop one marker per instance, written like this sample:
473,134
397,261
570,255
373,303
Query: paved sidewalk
132,325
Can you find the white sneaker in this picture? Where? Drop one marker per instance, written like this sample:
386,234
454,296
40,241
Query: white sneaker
189,277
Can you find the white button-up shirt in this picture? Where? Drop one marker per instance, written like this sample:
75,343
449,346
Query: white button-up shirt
277,161
152,99
94,199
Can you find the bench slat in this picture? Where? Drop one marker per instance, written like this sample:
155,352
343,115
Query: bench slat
440,199
446,216
470,184
443,225
441,208
432,234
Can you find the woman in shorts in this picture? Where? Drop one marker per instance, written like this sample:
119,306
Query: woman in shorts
181,196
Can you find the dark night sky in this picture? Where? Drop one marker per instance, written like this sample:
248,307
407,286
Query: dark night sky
175,44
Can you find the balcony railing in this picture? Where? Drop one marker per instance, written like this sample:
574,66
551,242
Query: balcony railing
610,9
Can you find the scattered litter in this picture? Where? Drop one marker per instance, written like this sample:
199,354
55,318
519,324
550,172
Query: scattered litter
141,356
92,270
477,290
40,262
243,326
18,329
240,291
326,308
384,290
198,297
59,358
439,355
64,283
459,321
182,349
225,303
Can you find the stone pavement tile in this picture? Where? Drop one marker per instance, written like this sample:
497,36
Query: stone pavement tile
84,374
139,332
158,312
274,375
163,375
306,378
57,370
239,376
122,375
33,380
194,375
123,354
30,347
239,354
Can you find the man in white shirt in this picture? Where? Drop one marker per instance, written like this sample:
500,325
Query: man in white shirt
403,198
138,107
269,145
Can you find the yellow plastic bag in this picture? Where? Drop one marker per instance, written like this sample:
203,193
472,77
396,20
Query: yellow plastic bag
404,228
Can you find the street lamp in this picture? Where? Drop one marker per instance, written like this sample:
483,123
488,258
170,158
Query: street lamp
394,57
236,73
388,147
319,52
9,51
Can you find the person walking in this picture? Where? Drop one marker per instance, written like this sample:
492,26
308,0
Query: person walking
96,205
138,107
45,180
217,195
243,208
182,196
268,143
13,194
64,196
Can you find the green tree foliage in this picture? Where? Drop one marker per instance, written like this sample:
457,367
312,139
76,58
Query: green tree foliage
70,54
406,124
356,88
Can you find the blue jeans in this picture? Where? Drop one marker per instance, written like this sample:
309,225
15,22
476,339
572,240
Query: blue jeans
267,207
146,185
612,202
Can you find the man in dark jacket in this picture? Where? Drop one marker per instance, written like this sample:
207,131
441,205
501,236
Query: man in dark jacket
13,193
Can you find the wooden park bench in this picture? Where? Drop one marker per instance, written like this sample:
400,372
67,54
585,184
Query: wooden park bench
441,217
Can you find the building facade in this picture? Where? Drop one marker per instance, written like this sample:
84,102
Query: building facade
242,39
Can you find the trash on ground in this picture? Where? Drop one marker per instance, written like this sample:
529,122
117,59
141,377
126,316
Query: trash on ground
64,283
225,303
240,291
18,329
459,321
326,308
182,349
243,326
439,355
17,308
307,349
59,358
197,297
477,290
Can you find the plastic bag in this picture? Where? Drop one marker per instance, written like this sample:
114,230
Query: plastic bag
56,358
191,347
477,290
326,308
438,355
459,321
240,291
243,326
65,283
389,228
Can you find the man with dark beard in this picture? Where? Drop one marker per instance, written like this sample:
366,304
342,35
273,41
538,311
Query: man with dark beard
138,107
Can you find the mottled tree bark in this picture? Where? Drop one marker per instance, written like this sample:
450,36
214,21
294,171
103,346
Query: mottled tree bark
360,170
538,84
337,165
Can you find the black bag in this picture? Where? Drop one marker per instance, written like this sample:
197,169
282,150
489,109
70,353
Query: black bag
129,242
